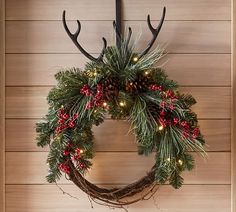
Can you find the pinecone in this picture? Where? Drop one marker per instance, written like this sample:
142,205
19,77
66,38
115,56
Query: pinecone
111,88
139,85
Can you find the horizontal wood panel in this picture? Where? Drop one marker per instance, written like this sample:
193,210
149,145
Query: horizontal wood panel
199,69
208,104
30,168
192,69
52,10
197,198
111,135
27,37
181,36
178,10
105,9
30,102
25,102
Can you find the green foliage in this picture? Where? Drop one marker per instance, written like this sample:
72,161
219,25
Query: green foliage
176,180
127,88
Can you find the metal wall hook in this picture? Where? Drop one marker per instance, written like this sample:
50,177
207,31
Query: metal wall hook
117,24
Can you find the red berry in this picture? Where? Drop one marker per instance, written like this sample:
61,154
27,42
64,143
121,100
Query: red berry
63,127
58,129
62,110
163,122
162,113
78,151
64,168
85,90
155,88
171,107
82,166
69,145
61,121
195,132
65,116
66,152
76,157
75,116
170,94
71,124
89,105
162,104
184,123
175,121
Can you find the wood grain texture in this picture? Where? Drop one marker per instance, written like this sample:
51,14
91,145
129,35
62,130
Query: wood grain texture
178,10
208,104
30,168
199,69
52,10
111,135
105,9
2,106
181,36
233,113
26,102
186,69
30,102
30,39
197,198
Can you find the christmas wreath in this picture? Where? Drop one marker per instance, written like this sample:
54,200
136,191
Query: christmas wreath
120,84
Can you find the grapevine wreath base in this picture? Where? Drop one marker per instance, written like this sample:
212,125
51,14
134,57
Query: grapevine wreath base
116,197
124,85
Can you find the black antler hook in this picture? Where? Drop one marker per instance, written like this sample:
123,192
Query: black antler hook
154,31
74,37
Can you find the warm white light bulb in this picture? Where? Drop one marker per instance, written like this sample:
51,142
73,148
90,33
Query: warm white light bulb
180,162
122,104
135,59
104,104
160,127
146,72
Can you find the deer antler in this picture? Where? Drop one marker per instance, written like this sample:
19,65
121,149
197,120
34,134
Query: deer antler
154,31
74,37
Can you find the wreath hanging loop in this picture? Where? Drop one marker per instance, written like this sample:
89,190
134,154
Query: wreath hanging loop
123,85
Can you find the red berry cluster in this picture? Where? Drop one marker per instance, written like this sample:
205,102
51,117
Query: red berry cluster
77,158
195,132
167,122
156,87
167,94
68,149
184,125
166,105
86,90
64,167
77,154
65,121
97,98
170,94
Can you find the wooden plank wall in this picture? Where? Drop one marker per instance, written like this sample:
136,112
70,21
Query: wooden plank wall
199,45
233,103
2,106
